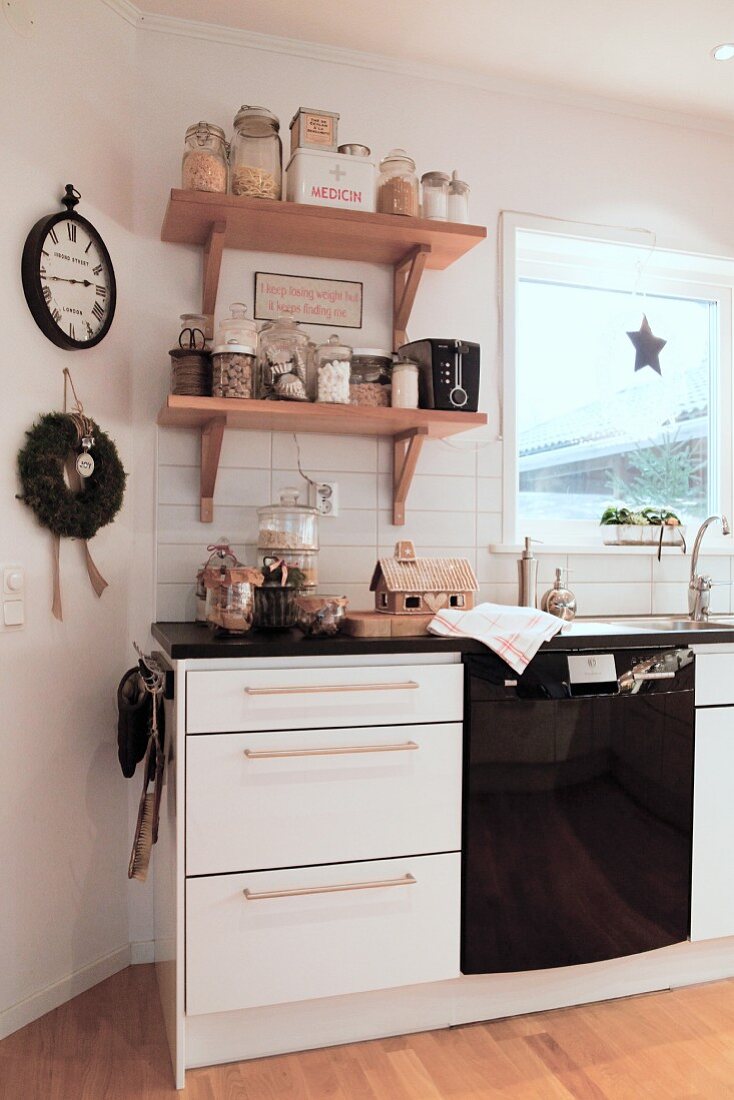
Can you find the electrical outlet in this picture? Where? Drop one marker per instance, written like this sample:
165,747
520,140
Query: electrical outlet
326,498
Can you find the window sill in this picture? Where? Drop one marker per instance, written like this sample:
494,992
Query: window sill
708,549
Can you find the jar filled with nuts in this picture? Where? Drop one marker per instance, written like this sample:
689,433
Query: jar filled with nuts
233,371
283,354
334,366
204,164
256,158
397,186
369,382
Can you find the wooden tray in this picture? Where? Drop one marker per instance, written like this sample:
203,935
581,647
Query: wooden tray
376,624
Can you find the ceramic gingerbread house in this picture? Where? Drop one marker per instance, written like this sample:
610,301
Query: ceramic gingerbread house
409,585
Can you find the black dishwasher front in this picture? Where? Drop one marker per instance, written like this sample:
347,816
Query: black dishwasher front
578,808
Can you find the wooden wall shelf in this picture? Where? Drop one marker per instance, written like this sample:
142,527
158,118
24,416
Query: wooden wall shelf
408,429
409,245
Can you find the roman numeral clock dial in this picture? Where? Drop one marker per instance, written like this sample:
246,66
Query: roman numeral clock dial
68,278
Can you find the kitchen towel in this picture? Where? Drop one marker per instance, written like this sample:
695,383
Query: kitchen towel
514,633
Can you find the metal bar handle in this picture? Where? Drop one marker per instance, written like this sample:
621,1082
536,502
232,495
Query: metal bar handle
302,891
640,677
316,689
344,750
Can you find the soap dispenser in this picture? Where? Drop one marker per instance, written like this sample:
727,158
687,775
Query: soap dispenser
559,600
527,574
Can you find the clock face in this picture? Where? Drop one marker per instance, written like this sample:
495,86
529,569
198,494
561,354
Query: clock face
69,281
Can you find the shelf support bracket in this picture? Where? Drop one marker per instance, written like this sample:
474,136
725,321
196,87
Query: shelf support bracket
212,434
407,447
406,280
212,265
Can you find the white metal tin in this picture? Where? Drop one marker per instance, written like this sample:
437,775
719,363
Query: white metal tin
319,178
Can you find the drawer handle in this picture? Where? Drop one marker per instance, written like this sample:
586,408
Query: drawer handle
300,891
317,689
345,750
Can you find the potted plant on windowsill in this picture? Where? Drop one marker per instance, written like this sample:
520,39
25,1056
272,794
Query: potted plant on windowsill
642,527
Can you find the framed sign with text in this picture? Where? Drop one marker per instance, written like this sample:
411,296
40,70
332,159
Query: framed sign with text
333,302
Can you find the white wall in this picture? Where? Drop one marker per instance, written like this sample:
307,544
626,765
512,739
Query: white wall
66,102
517,153
92,100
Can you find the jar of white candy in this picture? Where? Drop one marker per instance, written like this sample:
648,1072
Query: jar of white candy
334,366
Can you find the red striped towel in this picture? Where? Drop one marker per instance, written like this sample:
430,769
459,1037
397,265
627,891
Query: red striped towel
514,633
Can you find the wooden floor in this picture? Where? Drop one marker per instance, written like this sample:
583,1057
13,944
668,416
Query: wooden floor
108,1044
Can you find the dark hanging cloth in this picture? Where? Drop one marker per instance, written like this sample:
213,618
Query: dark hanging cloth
134,715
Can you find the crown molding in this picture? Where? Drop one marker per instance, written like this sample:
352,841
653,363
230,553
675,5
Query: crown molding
126,10
339,55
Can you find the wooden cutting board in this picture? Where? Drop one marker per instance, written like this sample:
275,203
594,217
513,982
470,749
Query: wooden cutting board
377,624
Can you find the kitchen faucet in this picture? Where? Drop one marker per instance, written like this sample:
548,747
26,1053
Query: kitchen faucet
699,586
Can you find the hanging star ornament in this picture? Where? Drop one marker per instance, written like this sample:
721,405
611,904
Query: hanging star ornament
647,347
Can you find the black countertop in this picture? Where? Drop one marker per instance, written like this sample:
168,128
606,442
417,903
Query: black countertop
190,641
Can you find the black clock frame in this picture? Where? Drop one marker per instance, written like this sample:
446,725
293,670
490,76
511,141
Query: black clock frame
30,273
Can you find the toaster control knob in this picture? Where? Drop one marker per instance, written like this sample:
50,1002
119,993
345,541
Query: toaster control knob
458,397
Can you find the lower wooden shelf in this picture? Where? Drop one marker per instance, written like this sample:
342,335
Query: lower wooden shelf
408,429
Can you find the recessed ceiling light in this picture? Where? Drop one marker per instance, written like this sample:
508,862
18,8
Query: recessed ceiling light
725,52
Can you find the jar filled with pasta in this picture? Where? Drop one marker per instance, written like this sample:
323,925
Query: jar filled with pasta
256,155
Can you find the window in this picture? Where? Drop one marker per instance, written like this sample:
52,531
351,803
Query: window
582,428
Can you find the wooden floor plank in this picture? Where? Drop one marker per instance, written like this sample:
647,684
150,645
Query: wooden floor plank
109,1044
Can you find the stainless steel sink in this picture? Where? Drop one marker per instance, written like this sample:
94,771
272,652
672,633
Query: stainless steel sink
665,624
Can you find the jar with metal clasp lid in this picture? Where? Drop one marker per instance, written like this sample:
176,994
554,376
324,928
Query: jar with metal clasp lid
256,155
204,163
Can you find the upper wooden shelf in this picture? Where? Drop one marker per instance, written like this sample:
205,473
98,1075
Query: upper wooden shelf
265,225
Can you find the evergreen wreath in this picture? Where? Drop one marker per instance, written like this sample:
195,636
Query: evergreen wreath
41,467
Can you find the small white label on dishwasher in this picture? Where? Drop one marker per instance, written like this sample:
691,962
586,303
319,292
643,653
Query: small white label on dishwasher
592,668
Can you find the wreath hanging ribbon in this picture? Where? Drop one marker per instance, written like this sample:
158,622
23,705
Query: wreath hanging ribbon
76,510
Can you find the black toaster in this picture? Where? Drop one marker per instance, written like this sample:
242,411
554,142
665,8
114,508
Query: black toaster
448,373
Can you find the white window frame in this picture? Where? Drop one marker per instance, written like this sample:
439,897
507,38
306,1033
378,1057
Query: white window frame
669,271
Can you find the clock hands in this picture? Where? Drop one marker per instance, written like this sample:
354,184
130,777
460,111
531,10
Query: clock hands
61,279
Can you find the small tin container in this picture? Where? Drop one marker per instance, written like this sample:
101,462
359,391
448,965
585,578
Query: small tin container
313,129
352,149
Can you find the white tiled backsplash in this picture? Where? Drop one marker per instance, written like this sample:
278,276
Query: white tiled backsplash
454,508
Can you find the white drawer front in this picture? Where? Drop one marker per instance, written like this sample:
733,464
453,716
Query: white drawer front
714,679
260,800
243,952
286,699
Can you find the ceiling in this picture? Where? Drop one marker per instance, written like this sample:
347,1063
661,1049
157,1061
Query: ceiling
653,53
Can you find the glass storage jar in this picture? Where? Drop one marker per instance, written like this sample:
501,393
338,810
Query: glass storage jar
458,199
288,525
238,328
204,163
256,155
230,591
435,196
233,371
405,385
397,185
369,382
333,366
282,361
192,329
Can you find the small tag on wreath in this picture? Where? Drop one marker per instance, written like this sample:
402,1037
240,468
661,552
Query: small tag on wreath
84,461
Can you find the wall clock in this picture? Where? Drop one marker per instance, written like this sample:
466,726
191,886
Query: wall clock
68,278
